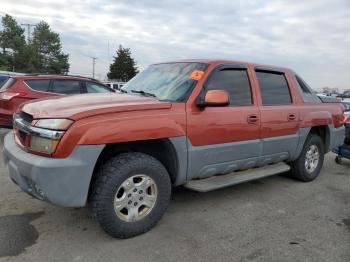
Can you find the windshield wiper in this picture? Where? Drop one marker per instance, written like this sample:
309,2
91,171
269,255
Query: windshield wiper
143,93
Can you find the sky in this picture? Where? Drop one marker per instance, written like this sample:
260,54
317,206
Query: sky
312,37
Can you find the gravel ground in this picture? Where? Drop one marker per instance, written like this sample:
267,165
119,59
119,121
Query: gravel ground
271,219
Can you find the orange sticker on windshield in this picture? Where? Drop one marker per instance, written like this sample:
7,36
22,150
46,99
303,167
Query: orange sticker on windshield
196,74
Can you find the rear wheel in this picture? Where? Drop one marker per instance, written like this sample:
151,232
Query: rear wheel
309,164
131,193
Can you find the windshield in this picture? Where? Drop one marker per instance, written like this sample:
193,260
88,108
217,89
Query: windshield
165,81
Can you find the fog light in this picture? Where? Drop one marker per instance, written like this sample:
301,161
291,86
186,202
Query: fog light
44,145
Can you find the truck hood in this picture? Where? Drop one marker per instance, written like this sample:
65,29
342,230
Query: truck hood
80,106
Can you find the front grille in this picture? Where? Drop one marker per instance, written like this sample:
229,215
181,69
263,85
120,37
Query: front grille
20,133
26,117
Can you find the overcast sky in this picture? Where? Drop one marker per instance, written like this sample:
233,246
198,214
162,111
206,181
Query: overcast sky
312,37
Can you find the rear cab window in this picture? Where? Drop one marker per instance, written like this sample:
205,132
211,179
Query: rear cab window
41,85
67,87
274,88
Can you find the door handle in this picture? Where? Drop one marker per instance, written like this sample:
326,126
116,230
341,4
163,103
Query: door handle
253,119
291,117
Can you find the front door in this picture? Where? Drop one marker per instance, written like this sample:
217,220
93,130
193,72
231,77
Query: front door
224,139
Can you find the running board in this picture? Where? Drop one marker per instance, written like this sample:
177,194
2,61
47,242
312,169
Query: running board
234,178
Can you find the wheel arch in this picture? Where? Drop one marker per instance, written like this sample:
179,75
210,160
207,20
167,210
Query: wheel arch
164,150
322,131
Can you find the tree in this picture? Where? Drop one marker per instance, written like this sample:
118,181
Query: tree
12,36
42,55
124,66
12,43
47,51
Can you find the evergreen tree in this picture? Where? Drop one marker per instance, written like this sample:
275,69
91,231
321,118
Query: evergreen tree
41,55
12,43
47,51
124,66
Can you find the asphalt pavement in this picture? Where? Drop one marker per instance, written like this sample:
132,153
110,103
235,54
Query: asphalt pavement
271,219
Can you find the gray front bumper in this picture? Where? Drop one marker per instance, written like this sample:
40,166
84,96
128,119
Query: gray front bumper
63,182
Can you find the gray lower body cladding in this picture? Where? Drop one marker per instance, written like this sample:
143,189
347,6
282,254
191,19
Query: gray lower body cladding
63,182
209,160
206,161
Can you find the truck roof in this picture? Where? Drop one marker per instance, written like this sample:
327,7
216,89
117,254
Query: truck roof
225,61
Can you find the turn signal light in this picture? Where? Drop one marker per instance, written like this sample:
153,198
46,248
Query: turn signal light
43,145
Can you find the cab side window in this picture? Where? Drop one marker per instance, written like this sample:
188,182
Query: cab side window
235,82
274,88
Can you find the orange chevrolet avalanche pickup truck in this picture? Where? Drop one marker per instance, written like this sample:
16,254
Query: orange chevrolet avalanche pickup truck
203,124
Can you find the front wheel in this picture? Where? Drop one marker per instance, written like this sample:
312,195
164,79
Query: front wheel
309,164
131,193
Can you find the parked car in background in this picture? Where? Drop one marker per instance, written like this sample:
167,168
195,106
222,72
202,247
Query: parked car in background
347,111
346,94
343,151
22,88
114,85
4,75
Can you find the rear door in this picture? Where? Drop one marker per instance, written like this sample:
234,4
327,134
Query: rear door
279,116
224,139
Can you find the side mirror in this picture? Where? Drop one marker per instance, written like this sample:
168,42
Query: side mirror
214,98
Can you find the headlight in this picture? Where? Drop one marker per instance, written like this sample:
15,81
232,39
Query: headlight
55,124
44,145
46,134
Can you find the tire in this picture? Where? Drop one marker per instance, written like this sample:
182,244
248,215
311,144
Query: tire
302,171
114,187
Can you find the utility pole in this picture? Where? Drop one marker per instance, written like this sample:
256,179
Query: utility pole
28,29
93,65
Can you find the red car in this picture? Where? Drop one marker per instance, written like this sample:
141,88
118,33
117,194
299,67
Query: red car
18,89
